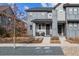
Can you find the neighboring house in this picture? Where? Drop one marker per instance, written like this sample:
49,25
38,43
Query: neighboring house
7,21
5,17
62,19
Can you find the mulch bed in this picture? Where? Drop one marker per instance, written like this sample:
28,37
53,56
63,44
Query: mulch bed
73,40
55,40
21,40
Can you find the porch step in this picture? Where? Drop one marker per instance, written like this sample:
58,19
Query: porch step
46,40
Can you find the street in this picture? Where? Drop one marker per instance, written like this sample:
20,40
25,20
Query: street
31,51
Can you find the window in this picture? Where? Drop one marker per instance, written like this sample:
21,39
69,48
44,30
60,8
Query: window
39,26
70,10
70,25
61,10
30,27
75,24
49,15
43,26
75,10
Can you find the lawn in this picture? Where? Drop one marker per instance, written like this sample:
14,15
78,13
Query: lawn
21,40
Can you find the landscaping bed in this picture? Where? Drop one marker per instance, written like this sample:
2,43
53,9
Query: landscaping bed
21,40
55,40
73,40
6,40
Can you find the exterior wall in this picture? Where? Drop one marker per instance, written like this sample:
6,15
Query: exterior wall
36,15
72,26
54,23
4,20
72,13
60,13
73,30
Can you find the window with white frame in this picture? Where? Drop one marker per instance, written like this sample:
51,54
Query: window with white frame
70,25
61,10
70,10
49,15
75,10
75,24
43,26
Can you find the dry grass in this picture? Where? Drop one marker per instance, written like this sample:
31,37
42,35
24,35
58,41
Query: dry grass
73,40
20,40
55,40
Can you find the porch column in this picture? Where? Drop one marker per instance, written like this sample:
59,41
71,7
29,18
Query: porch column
54,24
34,29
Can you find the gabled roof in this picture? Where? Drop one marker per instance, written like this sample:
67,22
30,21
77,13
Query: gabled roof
56,5
2,8
40,9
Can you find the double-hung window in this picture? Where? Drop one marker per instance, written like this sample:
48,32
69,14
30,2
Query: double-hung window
75,10
70,10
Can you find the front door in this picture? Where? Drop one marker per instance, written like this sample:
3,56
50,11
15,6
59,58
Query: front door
61,29
47,29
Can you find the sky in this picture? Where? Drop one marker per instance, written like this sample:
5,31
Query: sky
23,6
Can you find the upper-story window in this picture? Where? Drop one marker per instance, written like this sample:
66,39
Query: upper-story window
70,10
75,10
49,15
61,11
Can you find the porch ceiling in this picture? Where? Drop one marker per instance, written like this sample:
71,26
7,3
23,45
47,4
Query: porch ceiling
42,20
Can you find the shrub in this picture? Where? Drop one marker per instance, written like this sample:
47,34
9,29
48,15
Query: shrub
2,31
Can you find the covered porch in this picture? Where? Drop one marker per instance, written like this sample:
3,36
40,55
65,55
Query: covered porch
42,27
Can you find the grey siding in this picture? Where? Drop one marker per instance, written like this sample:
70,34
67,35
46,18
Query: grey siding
72,13
35,15
54,23
73,30
60,13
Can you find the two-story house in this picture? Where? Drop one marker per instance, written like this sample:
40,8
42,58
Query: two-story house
62,19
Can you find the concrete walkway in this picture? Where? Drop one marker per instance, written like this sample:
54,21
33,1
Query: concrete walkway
63,40
46,40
